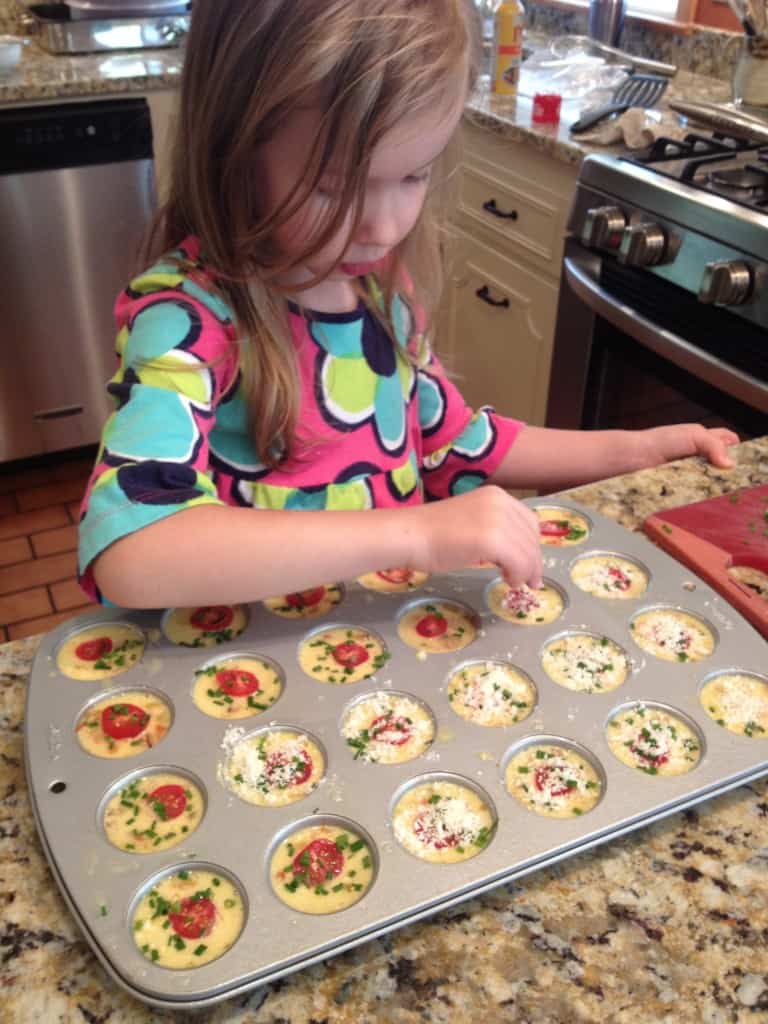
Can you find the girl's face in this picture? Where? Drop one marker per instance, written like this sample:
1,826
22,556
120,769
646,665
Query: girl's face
394,195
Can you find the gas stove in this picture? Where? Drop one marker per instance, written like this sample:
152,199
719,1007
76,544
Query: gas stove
735,169
693,212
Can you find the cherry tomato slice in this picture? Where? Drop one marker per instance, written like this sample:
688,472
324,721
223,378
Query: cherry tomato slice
210,617
172,798
428,835
300,772
124,721
542,779
317,861
305,598
349,654
432,625
92,650
554,528
396,575
194,919
237,682
387,729
620,579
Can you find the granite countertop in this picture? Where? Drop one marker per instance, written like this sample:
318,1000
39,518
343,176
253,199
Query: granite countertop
42,77
669,924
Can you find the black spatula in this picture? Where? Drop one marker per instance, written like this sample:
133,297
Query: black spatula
634,91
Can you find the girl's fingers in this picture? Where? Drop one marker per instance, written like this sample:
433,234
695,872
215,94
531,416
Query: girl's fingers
715,447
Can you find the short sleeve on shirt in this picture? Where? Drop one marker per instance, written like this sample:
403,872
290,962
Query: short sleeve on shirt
177,363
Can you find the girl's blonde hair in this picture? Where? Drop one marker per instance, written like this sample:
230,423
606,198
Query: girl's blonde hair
249,63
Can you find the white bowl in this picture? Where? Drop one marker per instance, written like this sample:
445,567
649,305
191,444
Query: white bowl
10,52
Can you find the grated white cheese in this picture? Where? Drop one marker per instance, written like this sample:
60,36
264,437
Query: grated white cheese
262,768
673,636
361,716
585,663
490,691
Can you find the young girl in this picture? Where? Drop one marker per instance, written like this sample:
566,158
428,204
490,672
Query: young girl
281,420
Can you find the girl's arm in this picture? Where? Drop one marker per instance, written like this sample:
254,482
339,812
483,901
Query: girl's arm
220,554
548,459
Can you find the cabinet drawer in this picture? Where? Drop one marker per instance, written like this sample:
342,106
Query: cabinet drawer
514,215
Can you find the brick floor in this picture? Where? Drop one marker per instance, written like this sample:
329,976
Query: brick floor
39,509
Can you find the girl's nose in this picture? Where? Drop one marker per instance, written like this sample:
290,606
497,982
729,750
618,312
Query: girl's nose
379,226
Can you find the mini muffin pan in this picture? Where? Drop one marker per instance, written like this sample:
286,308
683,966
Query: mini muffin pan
102,884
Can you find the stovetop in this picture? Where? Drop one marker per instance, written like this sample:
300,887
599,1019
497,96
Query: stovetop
724,166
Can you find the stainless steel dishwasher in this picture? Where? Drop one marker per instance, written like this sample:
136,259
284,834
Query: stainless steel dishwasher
77,192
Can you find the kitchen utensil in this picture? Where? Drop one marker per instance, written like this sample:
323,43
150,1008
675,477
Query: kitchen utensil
69,789
634,91
714,536
606,20
564,46
724,117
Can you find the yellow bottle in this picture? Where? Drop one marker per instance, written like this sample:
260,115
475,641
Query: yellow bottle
508,49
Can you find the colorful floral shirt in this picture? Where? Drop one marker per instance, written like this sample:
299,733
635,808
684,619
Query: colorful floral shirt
374,430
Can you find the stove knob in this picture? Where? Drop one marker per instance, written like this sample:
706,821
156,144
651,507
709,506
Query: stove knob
642,245
726,283
603,227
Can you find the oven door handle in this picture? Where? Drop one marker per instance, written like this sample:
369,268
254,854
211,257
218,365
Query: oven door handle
677,350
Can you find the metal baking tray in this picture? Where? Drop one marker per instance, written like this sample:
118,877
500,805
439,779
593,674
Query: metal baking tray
100,882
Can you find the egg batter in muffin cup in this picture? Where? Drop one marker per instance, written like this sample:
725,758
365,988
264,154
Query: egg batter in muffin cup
553,777
654,739
238,686
100,652
188,916
393,581
737,701
322,865
523,606
124,724
387,727
274,766
673,634
561,527
491,693
307,604
437,626
610,576
342,654
205,626
585,662
443,818
151,811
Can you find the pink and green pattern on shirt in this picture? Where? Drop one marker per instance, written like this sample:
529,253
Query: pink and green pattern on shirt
375,430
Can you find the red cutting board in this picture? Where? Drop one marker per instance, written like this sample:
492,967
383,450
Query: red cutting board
712,536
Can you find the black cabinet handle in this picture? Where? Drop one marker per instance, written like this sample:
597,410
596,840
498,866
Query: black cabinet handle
490,206
484,294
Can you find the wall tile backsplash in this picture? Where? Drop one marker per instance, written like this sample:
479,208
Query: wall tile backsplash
705,51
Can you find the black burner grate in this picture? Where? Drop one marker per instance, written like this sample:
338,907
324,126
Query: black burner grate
717,163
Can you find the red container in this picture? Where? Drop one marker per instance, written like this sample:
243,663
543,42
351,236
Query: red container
546,108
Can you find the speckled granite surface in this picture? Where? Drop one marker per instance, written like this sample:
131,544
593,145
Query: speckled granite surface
666,926
704,51
41,77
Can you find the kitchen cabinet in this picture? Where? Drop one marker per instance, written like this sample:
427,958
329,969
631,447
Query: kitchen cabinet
498,315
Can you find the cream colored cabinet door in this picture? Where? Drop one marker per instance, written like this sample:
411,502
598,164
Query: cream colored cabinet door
496,331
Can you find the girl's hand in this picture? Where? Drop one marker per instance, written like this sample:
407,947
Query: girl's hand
484,525
683,439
